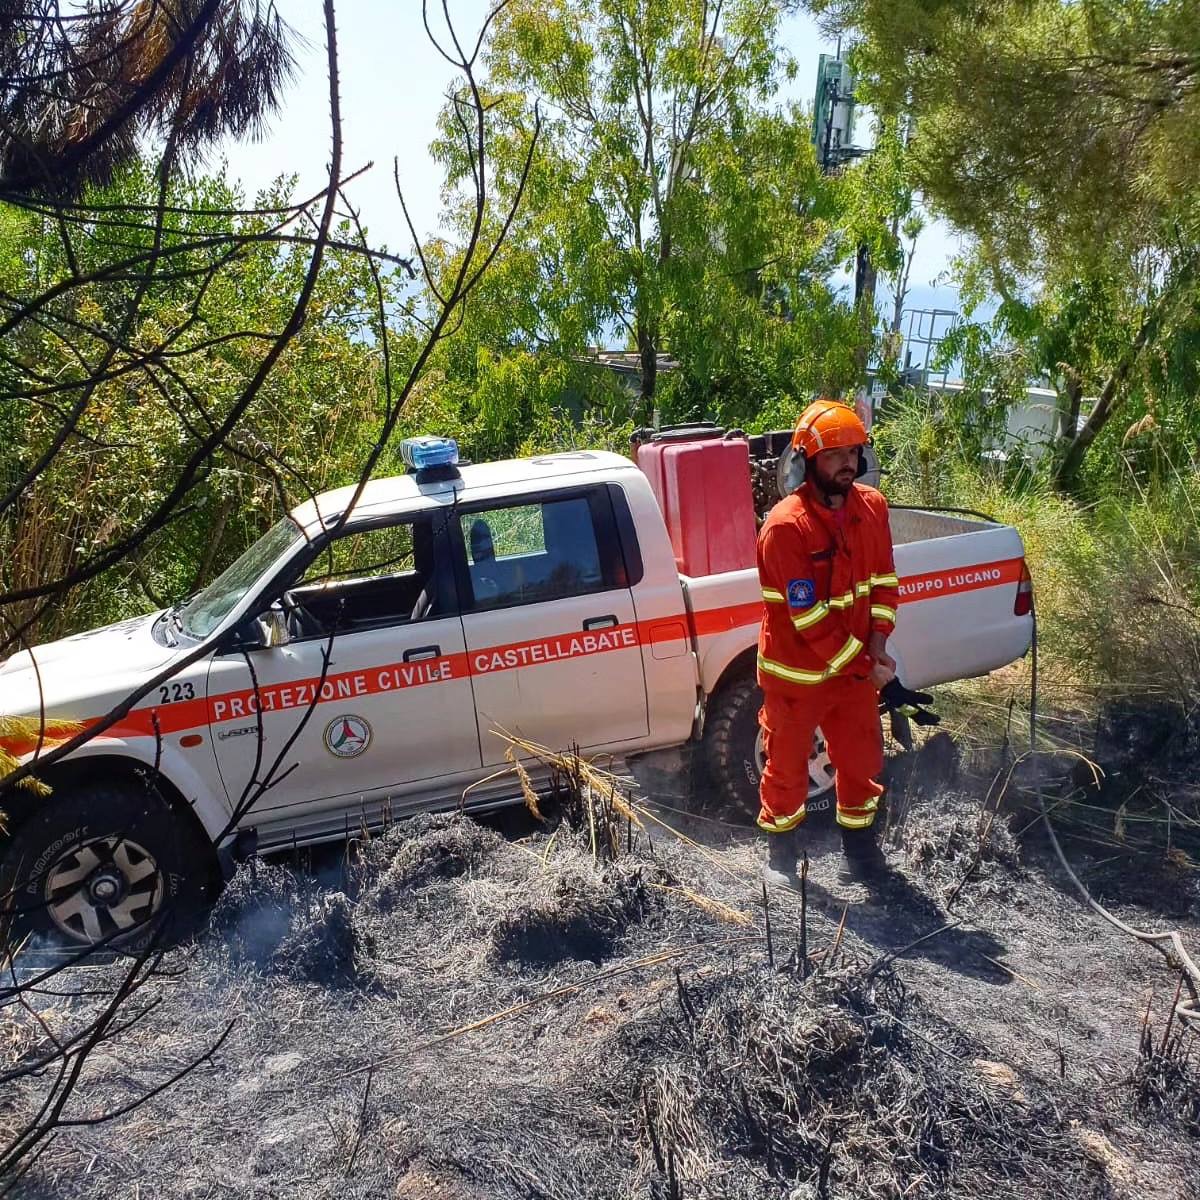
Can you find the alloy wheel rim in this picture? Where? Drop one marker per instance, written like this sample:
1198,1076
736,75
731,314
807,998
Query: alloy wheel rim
103,889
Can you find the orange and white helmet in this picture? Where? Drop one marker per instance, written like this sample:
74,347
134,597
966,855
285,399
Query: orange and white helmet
827,425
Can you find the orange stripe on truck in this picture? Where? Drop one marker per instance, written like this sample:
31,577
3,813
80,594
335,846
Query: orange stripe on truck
343,685
708,621
960,579
164,719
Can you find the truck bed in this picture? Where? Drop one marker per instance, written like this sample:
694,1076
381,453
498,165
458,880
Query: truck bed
956,619
919,525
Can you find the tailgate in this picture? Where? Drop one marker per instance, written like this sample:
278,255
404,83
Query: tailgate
958,593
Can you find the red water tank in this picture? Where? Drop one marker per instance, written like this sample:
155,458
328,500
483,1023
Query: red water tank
702,482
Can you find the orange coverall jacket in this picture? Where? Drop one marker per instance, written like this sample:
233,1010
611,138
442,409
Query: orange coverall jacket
828,580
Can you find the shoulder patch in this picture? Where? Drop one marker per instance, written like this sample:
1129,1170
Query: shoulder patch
801,593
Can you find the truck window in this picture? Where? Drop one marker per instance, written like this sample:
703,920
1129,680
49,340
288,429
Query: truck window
385,575
200,615
544,550
371,554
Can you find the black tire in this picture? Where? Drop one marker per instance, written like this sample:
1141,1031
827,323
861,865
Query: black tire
731,755
730,736
108,862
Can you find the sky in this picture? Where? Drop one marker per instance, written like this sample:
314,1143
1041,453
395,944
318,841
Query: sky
392,86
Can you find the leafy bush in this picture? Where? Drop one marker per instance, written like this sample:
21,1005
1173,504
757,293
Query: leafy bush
1116,581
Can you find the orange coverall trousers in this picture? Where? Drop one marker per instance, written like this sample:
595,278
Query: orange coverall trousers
847,710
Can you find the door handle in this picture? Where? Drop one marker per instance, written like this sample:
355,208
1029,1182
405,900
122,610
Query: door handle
604,622
421,652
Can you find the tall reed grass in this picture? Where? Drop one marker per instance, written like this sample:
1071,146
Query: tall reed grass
1116,579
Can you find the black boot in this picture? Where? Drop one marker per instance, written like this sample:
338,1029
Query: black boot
783,849
862,859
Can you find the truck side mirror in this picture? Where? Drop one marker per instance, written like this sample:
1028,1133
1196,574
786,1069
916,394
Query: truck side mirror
274,625
262,632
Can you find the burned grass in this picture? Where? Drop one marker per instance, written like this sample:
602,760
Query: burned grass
1165,1084
449,1012
255,913
422,851
1133,789
327,946
950,843
765,1076
577,912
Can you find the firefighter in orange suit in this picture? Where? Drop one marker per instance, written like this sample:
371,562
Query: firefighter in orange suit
830,591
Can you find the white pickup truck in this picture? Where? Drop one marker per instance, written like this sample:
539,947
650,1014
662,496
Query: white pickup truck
351,666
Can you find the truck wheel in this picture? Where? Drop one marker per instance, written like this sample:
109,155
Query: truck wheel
733,752
106,862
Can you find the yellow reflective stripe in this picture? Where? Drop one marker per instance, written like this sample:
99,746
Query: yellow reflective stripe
796,675
848,652
855,822
771,596
791,674
862,816
781,824
811,617
883,612
863,588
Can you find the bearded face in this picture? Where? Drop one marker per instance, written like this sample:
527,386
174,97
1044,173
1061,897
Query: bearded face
835,470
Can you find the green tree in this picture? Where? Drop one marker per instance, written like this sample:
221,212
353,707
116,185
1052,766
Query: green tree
1111,338
1053,126
668,201
197,339
1061,135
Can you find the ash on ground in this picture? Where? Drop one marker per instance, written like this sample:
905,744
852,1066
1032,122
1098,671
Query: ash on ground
948,839
445,1011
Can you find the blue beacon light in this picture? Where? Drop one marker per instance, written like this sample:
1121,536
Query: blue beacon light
420,453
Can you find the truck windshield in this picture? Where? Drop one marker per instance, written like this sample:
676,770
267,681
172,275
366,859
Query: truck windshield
200,615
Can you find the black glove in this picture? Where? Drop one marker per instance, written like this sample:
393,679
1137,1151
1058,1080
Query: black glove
900,699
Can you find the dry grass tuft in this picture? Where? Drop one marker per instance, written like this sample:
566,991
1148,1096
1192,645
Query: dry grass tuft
20,733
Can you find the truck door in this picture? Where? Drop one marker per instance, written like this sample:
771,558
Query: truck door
552,638
390,708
